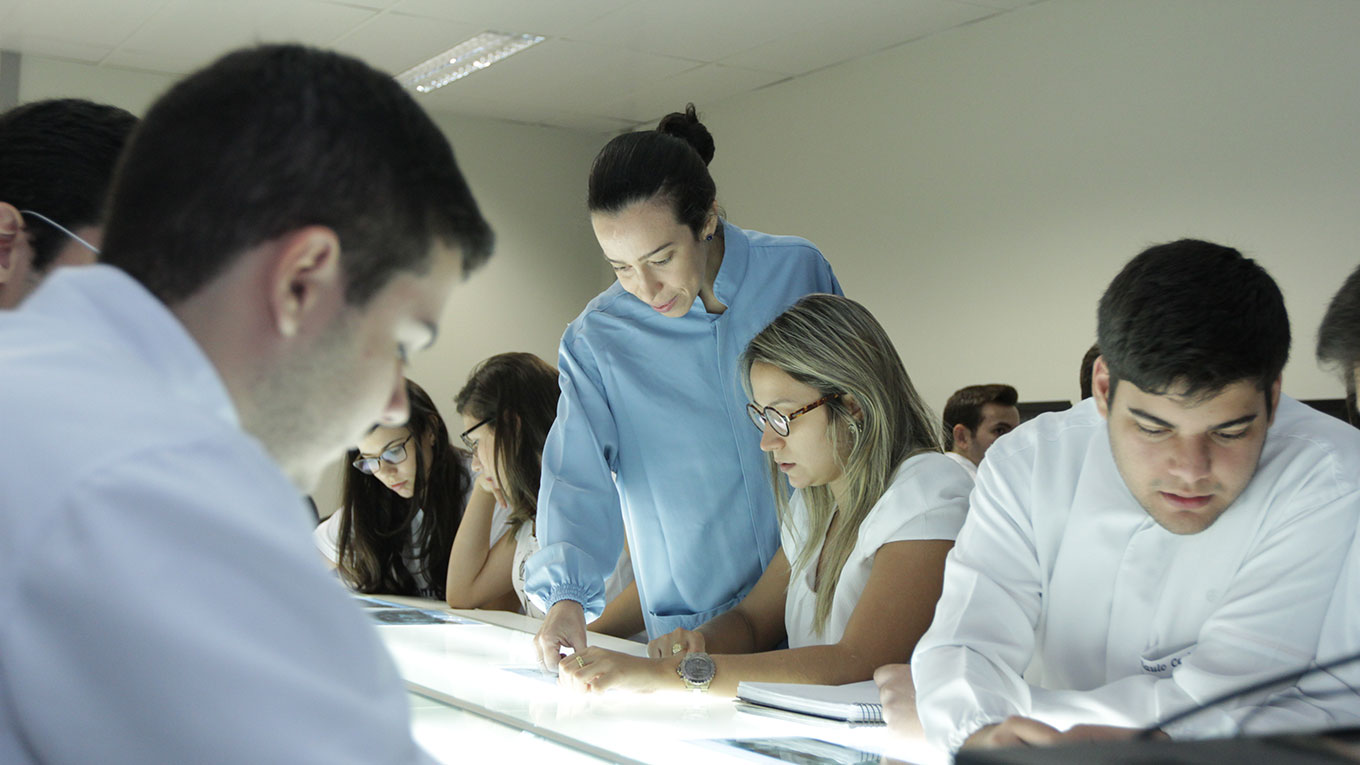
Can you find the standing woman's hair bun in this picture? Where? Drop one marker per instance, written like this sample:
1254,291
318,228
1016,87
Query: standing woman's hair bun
669,164
687,127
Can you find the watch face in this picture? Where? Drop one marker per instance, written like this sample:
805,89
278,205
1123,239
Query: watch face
697,668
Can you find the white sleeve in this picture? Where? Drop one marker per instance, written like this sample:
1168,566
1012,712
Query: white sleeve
1328,699
928,499
500,521
967,667
172,612
326,535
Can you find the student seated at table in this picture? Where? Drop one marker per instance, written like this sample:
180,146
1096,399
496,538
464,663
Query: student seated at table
507,405
1174,538
863,539
404,492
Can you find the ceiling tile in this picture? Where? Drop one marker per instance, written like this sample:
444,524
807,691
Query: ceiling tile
34,45
863,29
607,65
700,30
395,42
67,24
195,30
536,114
554,18
1005,5
376,5
702,85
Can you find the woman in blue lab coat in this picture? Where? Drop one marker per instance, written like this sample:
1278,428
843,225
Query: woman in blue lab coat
651,437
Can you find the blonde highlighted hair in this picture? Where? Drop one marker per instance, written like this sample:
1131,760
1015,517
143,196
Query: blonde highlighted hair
835,345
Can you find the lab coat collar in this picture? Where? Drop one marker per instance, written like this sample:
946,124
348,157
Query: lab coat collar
732,272
116,311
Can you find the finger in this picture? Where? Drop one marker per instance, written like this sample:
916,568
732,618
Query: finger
892,674
578,672
1032,732
597,682
549,652
566,670
576,638
1099,733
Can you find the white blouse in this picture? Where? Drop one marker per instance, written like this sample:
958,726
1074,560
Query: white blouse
927,499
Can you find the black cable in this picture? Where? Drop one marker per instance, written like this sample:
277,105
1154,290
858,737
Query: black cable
1315,694
1293,676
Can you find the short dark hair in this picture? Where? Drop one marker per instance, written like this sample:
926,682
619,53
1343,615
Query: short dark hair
270,139
1338,342
56,158
1193,317
965,407
669,163
1088,364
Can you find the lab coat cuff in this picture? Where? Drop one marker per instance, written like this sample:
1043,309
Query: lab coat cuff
968,727
593,607
1207,723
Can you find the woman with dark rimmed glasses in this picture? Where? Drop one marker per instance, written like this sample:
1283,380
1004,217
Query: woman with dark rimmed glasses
875,509
404,492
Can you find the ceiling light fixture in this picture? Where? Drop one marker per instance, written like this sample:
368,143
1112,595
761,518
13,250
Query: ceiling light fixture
471,55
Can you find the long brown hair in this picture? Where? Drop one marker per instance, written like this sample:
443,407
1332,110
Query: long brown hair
518,391
375,528
835,345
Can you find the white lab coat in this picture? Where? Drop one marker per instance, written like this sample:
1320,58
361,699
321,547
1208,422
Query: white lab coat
162,600
1065,602
1329,699
964,463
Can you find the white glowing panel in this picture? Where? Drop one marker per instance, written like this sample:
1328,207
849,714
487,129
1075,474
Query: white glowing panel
465,58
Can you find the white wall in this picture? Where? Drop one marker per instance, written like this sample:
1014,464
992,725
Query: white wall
530,182
979,188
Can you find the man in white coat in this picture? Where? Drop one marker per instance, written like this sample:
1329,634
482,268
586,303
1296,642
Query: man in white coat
284,229
974,417
1172,539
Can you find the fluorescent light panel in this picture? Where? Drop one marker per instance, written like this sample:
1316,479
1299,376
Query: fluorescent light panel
471,55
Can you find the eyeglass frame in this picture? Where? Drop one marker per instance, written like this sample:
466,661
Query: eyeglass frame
62,229
469,443
375,463
760,419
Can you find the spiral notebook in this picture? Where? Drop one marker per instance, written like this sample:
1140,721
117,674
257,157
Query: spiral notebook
853,702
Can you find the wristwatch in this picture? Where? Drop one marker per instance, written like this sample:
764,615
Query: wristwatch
697,670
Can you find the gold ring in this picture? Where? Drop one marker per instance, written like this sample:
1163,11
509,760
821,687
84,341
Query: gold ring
580,662
676,648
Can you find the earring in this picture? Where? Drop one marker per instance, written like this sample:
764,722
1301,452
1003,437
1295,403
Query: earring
708,238
854,429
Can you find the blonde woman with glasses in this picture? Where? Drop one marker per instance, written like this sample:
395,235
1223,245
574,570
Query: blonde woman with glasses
875,509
